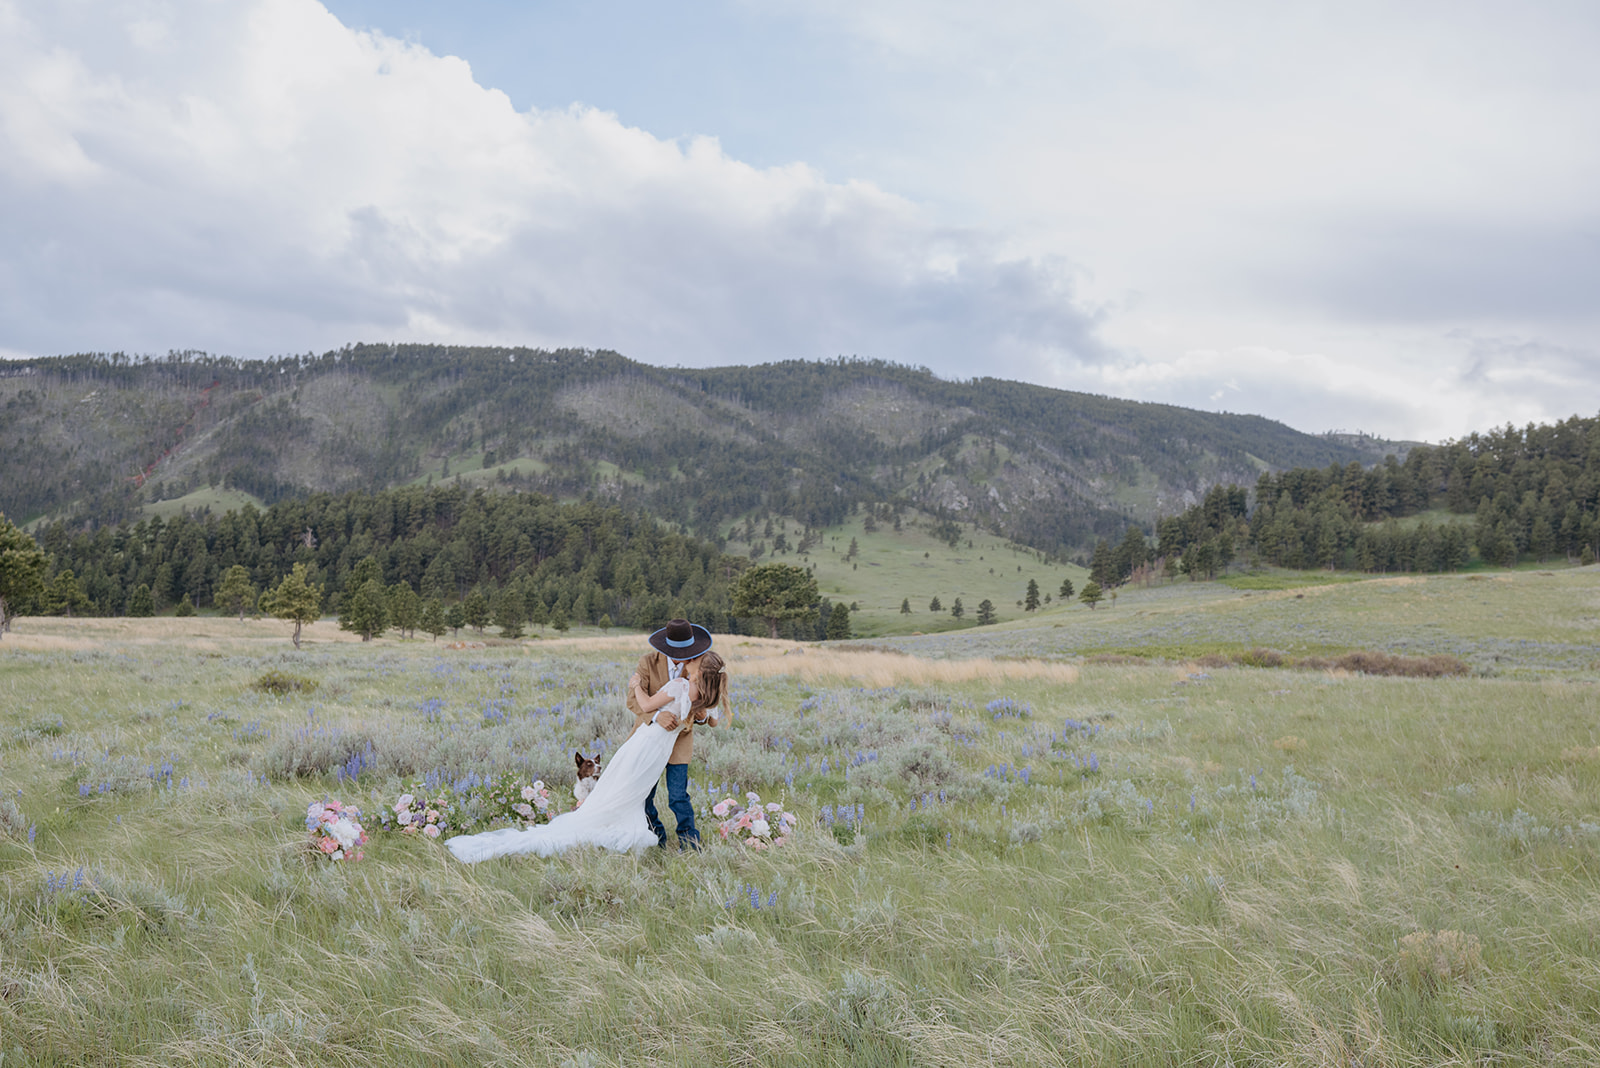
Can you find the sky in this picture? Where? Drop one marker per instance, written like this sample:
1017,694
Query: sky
1355,215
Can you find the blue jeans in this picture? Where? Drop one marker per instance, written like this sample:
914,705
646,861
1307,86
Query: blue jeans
682,810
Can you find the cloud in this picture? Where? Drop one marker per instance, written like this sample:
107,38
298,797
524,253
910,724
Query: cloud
255,177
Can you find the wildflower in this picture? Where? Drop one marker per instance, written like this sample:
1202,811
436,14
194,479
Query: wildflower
529,793
431,830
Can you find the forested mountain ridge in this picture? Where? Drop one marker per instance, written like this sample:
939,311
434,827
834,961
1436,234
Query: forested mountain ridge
94,438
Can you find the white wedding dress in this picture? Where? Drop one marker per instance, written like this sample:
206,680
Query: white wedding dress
613,814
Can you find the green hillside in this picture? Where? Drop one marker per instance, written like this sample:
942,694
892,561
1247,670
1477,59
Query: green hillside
97,438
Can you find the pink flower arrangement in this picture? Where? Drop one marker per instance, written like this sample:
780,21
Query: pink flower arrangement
756,825
419,815
335,830
535,804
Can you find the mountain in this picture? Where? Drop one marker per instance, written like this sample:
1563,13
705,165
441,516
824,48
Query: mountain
97,438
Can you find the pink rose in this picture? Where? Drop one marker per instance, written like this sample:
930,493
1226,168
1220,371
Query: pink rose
431,830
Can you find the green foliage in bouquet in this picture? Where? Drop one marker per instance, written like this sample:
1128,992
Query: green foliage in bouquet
435,808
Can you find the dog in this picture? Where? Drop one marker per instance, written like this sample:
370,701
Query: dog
588,774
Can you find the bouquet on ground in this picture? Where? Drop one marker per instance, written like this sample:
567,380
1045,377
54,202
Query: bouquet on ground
418,813
434,807
756,825
335,830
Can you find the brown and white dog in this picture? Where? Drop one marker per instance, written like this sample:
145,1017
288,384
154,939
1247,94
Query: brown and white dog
588,774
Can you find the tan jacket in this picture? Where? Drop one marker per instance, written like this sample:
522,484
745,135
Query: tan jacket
653,668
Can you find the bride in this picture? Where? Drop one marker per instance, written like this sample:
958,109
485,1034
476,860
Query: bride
613,814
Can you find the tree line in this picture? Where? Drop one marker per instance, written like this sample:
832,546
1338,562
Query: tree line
1533,493
582,563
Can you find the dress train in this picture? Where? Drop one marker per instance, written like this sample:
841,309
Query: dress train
613,814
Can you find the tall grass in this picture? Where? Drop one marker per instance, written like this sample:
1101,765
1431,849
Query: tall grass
1106,864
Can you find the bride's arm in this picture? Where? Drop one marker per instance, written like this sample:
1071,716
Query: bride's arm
649,703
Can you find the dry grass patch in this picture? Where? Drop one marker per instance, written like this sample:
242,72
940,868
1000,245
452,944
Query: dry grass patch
1429,960
38,634
877,668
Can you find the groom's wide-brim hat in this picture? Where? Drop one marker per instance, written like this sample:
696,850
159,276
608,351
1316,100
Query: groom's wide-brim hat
681,640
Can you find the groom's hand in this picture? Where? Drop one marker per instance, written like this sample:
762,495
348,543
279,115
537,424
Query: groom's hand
667,719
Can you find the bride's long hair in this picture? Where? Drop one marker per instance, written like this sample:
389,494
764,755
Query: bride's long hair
709,679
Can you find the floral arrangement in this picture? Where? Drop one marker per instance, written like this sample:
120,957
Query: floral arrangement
756,825
432,807
335,830
423,815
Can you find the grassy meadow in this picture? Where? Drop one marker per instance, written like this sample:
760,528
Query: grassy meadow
912,565
1056,841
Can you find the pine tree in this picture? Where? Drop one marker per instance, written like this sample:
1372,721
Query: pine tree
1030,602
141,603
839,623
775,593
508,609
22,568
185,607
1102,569
65,595
985,612
294,599
405,608
1092,594
475,610
956,609
236,592
433,619
935,606
366,611
905,607
455,617
1066,589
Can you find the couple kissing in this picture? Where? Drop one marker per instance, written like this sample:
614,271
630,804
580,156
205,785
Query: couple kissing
678,685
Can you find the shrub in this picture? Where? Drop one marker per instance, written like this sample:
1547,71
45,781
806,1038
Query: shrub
1366,662
278,683
314,751
13,824
1429,960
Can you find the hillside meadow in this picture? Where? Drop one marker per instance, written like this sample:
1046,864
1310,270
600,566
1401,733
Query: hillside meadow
1058,841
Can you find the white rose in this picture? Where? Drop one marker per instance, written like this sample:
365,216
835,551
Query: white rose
344,831
761,828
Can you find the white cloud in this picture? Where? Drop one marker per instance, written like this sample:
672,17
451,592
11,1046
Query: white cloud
255,178
1356,215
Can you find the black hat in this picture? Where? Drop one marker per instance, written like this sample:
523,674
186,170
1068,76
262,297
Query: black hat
681,640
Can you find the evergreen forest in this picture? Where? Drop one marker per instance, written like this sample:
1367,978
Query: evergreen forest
1510,495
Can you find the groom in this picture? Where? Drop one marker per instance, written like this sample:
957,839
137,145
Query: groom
672,647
